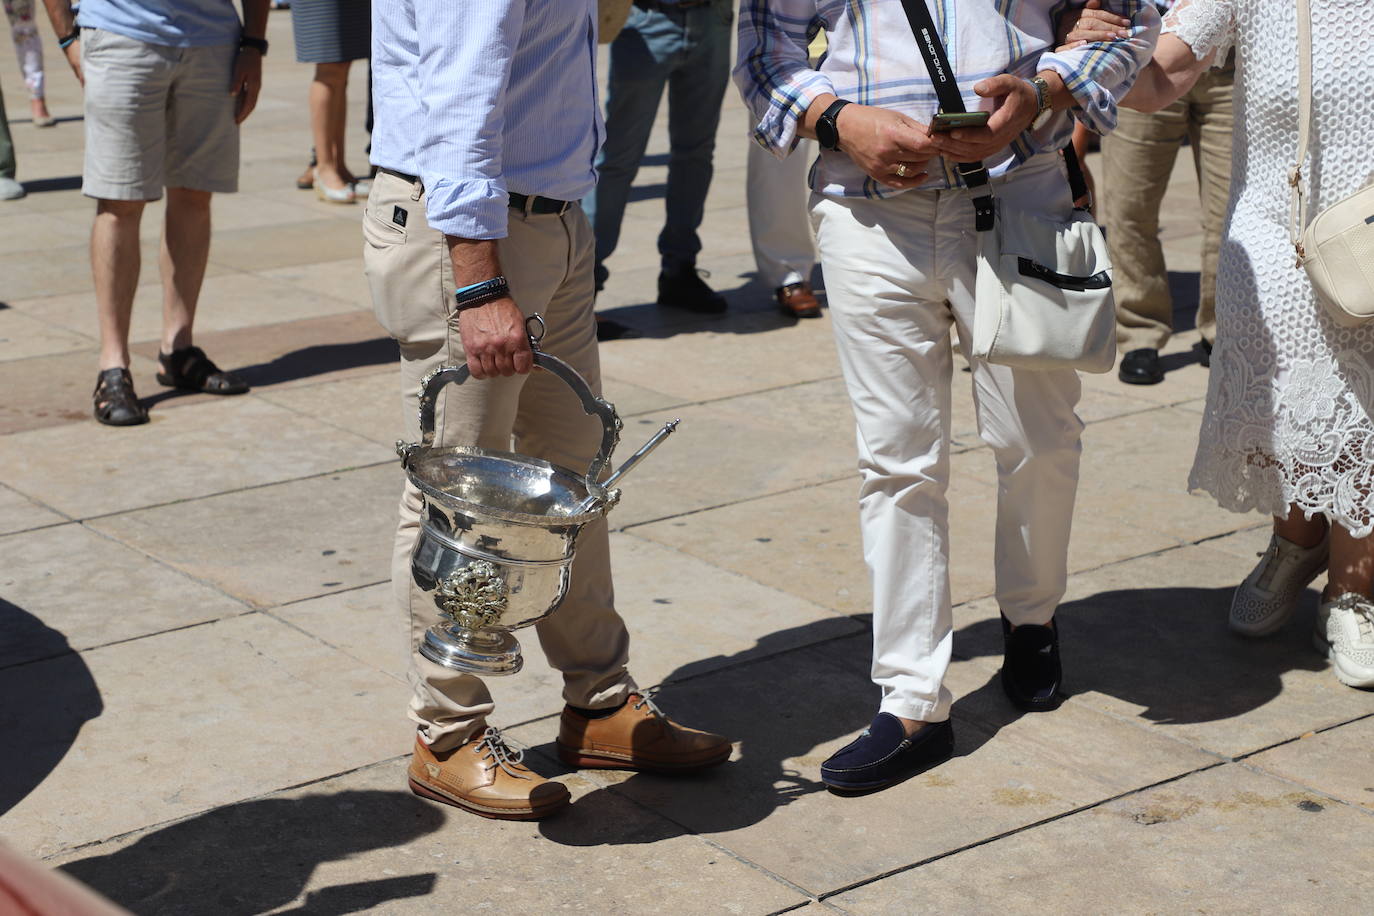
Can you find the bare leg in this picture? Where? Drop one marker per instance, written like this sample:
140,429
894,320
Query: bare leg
115,263
1352,565
1299,530
327,101
185,249
338,120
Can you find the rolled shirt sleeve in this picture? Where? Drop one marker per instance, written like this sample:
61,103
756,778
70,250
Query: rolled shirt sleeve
465,55
773,73
1098,75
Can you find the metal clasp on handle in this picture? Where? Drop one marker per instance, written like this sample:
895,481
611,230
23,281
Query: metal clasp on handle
591,404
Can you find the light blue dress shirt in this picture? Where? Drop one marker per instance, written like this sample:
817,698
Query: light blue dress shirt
175,23
485,98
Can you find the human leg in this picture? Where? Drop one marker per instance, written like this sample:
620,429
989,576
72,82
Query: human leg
10,189
29,48
780,228
1137,160
328,107
115,265
638,73
185,252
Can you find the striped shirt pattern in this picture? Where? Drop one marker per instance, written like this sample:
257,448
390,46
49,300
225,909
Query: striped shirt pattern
484,99
873,59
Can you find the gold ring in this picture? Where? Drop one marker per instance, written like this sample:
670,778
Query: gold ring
900,170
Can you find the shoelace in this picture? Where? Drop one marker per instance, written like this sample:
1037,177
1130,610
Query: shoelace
646,700
1363,610
500,753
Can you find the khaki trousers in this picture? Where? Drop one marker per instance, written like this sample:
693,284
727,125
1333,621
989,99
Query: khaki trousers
547,260
1138,158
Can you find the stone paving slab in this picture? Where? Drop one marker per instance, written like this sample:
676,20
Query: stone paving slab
374,848
95,591
1147,640
768,807
273,544
19,513
1336,761
1225,840
183,721
23,337
86,470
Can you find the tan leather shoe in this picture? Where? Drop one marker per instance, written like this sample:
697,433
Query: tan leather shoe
485,776
797,300
637,737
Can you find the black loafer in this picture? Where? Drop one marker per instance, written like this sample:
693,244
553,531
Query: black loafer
883,755
1141,367
1031,671
1203,348
683,288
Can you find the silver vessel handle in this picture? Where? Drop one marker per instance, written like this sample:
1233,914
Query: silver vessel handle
591,404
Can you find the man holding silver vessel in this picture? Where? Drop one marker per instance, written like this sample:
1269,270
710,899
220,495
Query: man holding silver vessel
487,129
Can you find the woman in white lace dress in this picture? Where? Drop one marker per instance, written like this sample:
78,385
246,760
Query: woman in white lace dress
1289,426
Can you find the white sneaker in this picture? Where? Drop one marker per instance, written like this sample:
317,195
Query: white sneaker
1268,596
1345,634
10,189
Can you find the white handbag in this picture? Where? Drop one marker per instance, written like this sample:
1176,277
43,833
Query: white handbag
1337,247
1043,295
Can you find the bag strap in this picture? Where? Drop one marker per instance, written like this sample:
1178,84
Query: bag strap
1297,209
927,36
1078,182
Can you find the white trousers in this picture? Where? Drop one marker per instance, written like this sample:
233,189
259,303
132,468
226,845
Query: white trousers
899,273
784,245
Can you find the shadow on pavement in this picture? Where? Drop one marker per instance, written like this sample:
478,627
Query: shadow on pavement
301,364
1167,650
48,695
256,856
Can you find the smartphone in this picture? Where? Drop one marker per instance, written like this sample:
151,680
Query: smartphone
944,121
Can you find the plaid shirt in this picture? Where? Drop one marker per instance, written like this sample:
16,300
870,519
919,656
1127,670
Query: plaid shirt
873,59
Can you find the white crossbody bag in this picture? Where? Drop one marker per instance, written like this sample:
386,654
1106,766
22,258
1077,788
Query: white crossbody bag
1337,247
1043,296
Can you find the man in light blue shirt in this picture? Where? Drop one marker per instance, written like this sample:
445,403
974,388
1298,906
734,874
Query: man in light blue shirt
486,132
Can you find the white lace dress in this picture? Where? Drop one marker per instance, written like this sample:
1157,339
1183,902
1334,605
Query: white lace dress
1291,396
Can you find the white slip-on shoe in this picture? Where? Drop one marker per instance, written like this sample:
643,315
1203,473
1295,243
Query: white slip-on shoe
10,189
1268,596
344,195
1345,634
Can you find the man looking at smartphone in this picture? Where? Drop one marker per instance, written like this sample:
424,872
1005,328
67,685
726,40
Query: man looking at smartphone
168,82
896,227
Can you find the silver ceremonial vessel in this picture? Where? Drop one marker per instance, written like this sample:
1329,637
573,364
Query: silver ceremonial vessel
498,530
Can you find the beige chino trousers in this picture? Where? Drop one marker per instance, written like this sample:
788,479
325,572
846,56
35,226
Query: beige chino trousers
1138,158
547,260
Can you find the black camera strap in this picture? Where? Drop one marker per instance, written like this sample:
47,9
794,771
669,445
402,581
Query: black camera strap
975,175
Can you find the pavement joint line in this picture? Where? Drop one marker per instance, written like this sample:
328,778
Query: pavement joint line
119,642
147,828
324,642
1016,830
244,489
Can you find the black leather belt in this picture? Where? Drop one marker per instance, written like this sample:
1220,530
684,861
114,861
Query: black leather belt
664,7
529,204
525,203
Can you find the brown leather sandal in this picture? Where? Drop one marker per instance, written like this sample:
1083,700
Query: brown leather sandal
191,369
115,403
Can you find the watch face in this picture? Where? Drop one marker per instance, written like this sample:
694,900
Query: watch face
826,134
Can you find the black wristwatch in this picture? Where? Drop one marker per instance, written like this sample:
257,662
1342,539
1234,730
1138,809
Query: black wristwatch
827,131
257,44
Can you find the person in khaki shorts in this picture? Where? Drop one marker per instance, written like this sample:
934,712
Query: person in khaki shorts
167,84
481,161
1138,158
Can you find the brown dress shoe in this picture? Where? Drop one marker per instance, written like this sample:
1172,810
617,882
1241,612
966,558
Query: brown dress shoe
637,737
485,776
797,300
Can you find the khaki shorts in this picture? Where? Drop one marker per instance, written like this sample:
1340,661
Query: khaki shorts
156,117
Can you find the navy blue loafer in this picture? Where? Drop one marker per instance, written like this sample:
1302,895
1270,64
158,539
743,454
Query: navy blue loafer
883,755
1030,666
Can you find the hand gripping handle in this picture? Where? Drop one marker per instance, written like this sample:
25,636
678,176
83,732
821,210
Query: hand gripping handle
591,404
